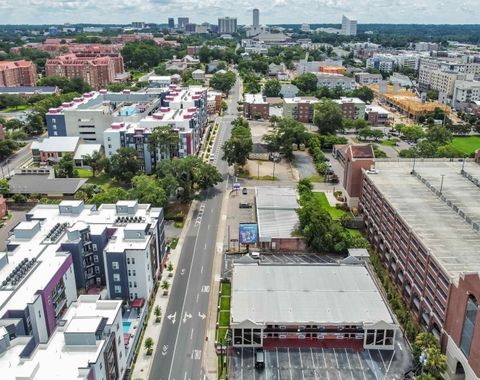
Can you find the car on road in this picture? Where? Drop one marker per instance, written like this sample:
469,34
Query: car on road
244,205
212,157
260,359
244,191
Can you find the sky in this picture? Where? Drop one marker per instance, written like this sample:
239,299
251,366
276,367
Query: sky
271,11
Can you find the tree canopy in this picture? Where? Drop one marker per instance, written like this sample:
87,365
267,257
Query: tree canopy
223,81
328,117
272,88
124,165
237,148
287,132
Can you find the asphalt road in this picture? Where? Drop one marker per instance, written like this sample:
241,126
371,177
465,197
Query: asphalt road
14,161
179,350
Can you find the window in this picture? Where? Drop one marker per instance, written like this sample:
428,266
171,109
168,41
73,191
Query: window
133,260
95,258
130,284
55,133
129,272
469,325
97,269
118,289
94,246
128,260
134,284
115,265
134,273
116,277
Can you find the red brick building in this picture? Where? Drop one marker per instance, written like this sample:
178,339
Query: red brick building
422,219
17,73
255,107
98,72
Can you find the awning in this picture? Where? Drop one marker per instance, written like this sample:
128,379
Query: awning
138,302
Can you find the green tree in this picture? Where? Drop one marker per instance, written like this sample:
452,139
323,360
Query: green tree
412,132
238,147
439,134
328,117
65,167
148,190
164,141
148,344
364,93
124,164
272,88
365,133
13,124
96,161
223,82
307,83
110,196
7,147
35,124
287,132
436,364
4,186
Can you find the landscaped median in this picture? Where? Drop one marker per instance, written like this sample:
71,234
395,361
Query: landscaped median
210,142
223,325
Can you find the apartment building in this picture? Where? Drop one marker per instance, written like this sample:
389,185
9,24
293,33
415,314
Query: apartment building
465,92
127,232
88,343
89,115
255,107
366,79
377,115
333,80
17,73
423,221
352,108
98,72
426,46
382,63
300,108
461,64
440,80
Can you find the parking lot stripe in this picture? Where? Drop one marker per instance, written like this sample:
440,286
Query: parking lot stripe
301,363
381,357
336,359
314,367
289,363
348,360
390,362
324,360
373,366
241,368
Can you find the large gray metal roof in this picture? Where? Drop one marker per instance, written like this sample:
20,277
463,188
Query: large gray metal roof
308,294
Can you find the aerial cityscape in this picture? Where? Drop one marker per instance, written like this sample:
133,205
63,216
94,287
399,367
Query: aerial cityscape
283,191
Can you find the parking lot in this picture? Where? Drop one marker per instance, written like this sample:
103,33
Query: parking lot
317,363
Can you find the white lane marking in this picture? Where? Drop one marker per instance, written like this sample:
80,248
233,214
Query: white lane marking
201,315
301,363
172,317
191,335
289,364
164,350
197,296
336,359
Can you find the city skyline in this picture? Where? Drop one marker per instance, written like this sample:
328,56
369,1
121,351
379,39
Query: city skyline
276,12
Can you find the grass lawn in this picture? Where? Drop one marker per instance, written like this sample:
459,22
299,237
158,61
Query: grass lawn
84,173
317,178
224,312
389,142
225,303
335,213
16,109
102,179
173,243
226,289
467,144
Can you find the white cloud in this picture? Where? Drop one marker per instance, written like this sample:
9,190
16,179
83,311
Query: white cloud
272,11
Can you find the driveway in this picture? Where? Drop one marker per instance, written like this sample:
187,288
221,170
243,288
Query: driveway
304,165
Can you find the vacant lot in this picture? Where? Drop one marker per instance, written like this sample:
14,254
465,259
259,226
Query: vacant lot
467,144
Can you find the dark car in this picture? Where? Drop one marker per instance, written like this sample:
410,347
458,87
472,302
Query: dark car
260,359
244,191
245,205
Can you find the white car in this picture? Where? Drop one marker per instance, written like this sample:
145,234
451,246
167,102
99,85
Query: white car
212,157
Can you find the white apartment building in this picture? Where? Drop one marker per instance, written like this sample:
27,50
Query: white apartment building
426,46
465,92
349,26
366,79
439,80
333,80
383,63
88,344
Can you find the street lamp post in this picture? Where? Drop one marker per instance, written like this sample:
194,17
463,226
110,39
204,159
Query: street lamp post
441,183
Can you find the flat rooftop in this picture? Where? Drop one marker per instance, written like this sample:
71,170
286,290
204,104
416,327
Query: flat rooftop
306,294
254,99
449,238
276,212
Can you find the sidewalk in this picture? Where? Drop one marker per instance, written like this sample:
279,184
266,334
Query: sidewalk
143,364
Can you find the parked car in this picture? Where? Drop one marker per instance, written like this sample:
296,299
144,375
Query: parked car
244,191
260,359
212,157
245,205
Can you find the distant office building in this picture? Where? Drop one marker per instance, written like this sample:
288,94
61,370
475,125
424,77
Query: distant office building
426,46
52,31
17,73
190,27
182,22
305,28
227,25
349,26
138,24
171,23
382,63
255,106
256,18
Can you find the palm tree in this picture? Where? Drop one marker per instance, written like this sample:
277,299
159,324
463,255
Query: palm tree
158,313
148,344
436,363
165,286
165,140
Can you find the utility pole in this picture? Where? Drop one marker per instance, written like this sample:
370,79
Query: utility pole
273,174
441,183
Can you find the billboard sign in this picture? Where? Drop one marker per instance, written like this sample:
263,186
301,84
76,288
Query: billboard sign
248,233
